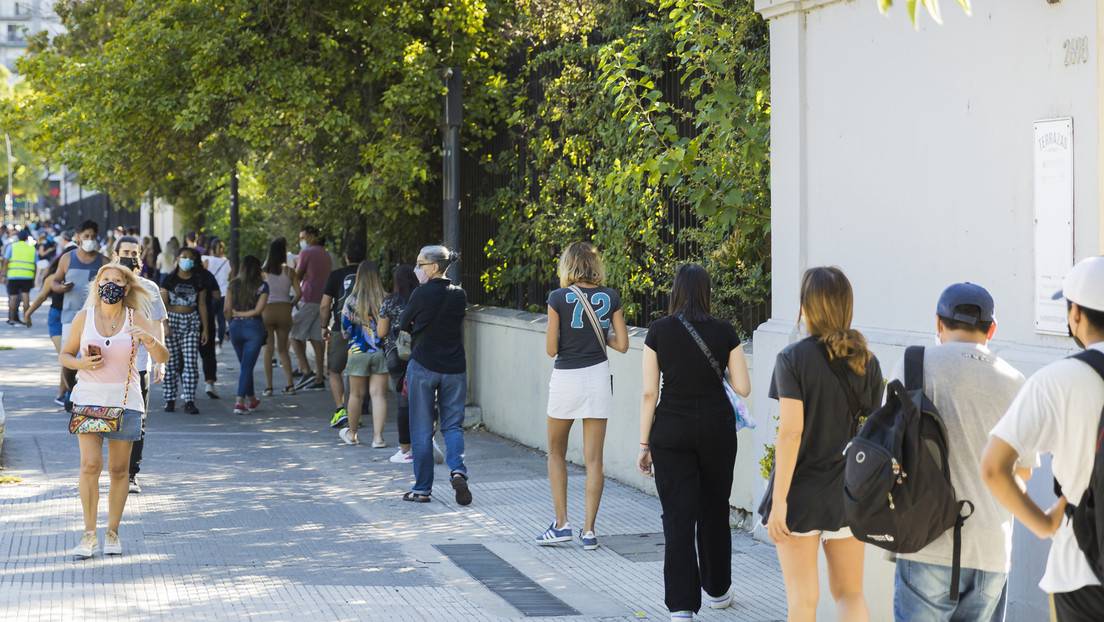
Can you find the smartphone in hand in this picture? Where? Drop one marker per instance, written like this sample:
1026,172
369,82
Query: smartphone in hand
94,350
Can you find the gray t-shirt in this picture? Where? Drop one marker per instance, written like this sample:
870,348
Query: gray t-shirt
971,388
579,345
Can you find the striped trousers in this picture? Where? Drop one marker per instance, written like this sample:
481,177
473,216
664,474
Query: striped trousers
183,365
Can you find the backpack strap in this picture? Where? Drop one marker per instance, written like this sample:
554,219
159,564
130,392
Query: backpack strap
591,315
854,403
914,368
956,555
1095,359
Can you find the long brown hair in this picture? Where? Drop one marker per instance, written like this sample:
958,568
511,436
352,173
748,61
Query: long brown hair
827,303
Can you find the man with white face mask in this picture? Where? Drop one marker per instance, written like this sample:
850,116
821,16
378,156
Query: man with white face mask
75,271
313,269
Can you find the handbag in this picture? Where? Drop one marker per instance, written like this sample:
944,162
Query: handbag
739,408
88,419
404,343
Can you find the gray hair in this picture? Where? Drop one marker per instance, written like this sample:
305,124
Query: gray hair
439,255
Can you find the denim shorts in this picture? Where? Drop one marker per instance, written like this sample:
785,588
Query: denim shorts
53,322
129,430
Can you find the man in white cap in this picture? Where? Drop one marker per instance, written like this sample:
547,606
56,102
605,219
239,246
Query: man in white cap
1058,411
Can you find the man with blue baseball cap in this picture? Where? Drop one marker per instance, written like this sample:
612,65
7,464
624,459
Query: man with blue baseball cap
1058,412
971,387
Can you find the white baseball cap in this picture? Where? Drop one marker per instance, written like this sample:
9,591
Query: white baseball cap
1084,284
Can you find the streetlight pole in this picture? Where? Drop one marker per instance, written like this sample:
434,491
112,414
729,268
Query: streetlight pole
454,102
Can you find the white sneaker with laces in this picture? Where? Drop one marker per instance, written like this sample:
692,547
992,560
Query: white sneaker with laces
89,546
720,602
401,457
112,544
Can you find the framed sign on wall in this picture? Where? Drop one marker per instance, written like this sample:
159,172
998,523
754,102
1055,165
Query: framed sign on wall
1053,220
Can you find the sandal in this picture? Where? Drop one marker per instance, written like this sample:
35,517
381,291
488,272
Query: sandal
289,390
414,497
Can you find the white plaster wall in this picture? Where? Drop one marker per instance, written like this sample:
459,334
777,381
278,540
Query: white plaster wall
508,380
906,159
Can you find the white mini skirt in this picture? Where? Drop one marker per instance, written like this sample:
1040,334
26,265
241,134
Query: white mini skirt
585,393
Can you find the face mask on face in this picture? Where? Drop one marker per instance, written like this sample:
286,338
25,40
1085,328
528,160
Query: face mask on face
303,245
89,246
422,277
187,264
129,263
1080,344
111,293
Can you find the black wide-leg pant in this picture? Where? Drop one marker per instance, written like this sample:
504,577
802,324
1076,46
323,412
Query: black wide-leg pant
694,450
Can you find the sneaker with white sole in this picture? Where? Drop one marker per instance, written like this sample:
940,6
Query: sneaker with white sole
681,616
89,546
720,602
135,489
589,540
402,457
112,544
340,418
555,535
347,436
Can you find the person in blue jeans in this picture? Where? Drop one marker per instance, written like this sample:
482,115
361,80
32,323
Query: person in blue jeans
972,388
434,317
246,298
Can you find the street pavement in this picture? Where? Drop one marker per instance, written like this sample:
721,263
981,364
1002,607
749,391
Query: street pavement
270,517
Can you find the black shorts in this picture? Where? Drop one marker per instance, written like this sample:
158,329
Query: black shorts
17,287
1083,605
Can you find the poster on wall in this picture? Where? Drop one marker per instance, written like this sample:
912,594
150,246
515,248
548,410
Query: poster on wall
1053,220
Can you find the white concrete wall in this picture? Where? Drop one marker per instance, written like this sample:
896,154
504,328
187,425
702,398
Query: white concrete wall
906,159
508,378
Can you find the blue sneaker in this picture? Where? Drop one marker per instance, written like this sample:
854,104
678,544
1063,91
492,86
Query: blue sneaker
590,541
555,535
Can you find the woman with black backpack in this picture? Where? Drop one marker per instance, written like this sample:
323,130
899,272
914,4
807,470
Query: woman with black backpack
690,437
803,505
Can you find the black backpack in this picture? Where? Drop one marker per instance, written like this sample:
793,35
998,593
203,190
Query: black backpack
1088,524
897,492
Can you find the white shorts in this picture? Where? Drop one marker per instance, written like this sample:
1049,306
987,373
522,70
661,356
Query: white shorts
585,393
839,534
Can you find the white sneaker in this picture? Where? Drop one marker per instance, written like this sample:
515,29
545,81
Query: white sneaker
402,457
681,616
112,544
347,436
438,455
89,546
720,602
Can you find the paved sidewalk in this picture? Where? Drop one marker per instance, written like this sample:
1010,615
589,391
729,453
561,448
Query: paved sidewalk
269,517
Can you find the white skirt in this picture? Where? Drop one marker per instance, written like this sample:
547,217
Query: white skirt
585,393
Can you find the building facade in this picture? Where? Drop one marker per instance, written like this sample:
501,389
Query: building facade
914,159
21,19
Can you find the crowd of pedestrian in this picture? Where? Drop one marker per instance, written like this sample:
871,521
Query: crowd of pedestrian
126,313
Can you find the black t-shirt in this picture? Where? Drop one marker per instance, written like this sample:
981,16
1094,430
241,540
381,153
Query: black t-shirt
183,292
802,372
579,347
687,374
338,286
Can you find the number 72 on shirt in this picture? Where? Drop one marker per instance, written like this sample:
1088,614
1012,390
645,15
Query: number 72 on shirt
599,300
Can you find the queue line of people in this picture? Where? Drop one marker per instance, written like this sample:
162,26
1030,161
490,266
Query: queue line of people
997,422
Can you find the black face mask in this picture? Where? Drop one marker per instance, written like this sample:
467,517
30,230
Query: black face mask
129,263
111,293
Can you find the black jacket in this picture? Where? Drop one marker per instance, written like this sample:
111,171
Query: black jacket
435,318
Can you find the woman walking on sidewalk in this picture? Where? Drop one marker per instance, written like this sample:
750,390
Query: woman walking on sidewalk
690,437
101,347
404,281
803,505
246,297
436,372
366,364
185,297
283,294
580,316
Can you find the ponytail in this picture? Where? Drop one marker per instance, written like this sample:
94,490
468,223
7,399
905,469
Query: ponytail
849,345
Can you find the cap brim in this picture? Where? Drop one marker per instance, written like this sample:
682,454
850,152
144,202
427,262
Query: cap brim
1058,296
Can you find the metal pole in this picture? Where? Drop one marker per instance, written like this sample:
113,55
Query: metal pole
454,101
235,219
9,200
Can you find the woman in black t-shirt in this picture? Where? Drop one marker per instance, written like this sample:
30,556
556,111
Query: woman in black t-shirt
691,438
581,386
803,505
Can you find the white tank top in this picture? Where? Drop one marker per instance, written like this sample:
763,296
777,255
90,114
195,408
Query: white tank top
105,386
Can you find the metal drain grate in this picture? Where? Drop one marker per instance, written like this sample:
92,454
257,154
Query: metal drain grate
507,582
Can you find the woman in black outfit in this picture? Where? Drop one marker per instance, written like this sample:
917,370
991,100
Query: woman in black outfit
690,437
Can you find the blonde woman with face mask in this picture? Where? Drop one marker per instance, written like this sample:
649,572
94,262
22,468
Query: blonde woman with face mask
101,347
